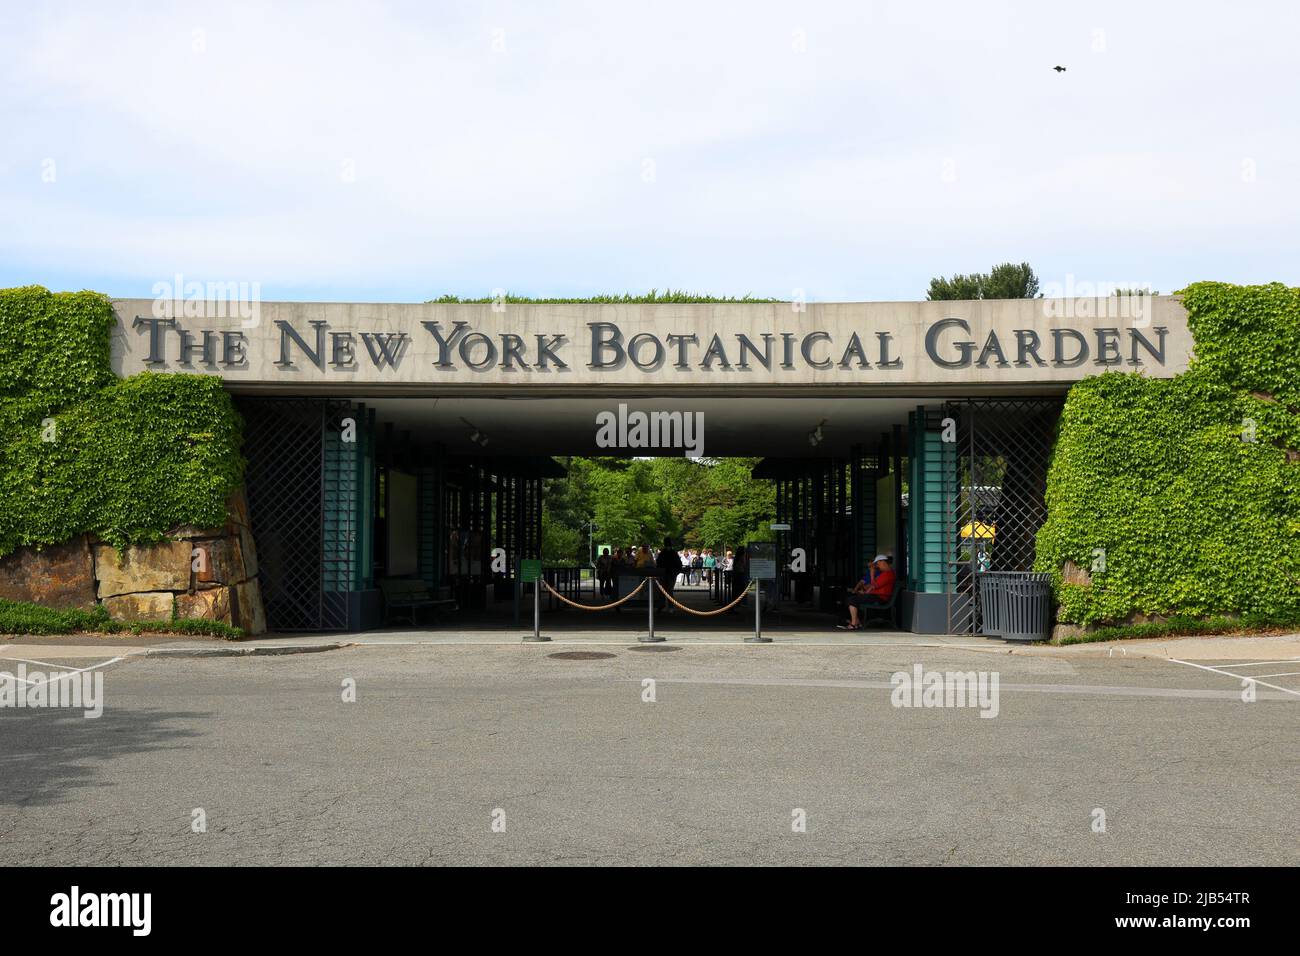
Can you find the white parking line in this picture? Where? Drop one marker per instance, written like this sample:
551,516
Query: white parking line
1289,660
1241,677
68,671
65,667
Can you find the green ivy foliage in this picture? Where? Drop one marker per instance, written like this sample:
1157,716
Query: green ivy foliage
1159,475
56,346
84,451
1249,339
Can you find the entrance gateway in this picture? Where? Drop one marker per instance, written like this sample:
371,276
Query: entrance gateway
412,441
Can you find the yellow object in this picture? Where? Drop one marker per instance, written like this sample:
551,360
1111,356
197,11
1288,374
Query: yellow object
980,530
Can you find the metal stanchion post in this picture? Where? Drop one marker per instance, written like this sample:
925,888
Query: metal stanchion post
758,637
535,572
650,602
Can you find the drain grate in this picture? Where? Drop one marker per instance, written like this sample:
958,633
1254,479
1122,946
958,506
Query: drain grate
654,649
581,656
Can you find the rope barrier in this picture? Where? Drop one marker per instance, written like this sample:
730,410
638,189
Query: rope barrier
690,610
596,607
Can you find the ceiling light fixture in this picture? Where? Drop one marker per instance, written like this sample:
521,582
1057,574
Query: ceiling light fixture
476,434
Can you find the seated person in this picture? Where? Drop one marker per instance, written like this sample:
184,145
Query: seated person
874,590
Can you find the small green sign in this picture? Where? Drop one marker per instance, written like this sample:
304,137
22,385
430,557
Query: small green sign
530,570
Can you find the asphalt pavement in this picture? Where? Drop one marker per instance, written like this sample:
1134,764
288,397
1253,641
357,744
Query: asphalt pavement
738,754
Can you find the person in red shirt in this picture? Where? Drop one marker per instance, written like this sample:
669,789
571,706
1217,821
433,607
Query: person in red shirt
874,590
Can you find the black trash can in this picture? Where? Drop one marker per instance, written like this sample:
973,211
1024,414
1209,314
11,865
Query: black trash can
1026,606
992,602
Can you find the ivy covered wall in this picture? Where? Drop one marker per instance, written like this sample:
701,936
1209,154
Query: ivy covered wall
1182,496
84,451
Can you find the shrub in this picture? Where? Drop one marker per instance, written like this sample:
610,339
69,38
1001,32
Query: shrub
1183,626
18,617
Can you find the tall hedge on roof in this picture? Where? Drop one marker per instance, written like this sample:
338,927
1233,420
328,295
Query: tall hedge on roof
1183,495
84,451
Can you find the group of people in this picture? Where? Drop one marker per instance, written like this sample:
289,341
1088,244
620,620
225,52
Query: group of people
699,566
692,566
874,590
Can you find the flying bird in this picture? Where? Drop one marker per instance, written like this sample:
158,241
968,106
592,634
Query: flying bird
1059,69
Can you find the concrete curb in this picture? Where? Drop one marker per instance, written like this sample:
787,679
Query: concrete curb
274,650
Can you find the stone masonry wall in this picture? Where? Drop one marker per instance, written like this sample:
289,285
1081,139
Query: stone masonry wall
204,573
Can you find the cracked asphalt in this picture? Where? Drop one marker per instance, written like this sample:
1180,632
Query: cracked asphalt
443,741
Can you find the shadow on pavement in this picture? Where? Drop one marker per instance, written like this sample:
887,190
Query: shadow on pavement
48,752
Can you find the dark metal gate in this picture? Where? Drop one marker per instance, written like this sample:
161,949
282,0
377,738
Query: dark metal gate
293,486
995,496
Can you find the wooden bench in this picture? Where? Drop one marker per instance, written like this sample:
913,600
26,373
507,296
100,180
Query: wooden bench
403,597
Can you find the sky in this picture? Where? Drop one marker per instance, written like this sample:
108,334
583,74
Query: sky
835,151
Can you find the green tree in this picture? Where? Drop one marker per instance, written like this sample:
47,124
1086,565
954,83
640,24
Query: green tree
1005,281
740,507
560,543
1011,281
717,502
709,503
958,287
